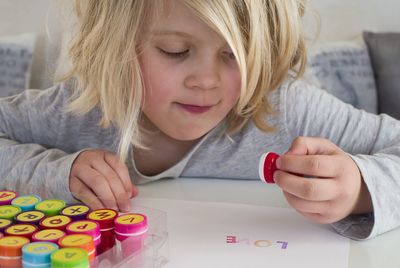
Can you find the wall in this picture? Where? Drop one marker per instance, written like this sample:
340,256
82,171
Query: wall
340,20
43,18
346,19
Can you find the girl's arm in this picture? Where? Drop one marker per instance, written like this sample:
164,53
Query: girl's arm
372,141
29,134
47,151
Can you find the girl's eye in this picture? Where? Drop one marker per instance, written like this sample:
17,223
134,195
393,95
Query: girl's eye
230,55
176,55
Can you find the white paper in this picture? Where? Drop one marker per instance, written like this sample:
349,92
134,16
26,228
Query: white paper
205,234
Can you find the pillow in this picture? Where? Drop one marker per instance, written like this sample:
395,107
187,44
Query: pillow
344,70
15,63
384,50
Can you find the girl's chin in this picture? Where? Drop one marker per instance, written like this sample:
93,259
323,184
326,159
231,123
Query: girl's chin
189,135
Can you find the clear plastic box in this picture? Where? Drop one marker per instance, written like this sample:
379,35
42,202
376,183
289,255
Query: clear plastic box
155,251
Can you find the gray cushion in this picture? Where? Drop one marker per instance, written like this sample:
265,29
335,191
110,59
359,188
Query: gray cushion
344,70
384,50
15,63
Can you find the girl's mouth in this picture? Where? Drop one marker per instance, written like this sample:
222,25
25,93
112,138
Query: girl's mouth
194,109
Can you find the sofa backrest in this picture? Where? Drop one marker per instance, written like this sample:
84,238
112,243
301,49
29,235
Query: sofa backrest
338,22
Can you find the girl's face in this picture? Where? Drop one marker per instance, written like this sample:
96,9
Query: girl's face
191,77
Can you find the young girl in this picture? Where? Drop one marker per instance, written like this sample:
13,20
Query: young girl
198,88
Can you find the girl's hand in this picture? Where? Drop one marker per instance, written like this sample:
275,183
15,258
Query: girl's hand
99,179
336,188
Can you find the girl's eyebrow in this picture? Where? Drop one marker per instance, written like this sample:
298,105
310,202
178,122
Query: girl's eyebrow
166,32
172,32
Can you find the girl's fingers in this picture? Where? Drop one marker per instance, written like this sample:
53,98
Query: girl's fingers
313,146
122,171
115,184
305,206
84,194
317,211
99,185
312,189
311,165
134,191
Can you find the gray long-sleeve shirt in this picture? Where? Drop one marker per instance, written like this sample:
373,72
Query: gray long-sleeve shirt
39,142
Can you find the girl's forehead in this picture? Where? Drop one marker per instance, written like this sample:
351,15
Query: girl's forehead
173,13
175,18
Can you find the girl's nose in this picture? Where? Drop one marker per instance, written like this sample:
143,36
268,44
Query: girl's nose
204,75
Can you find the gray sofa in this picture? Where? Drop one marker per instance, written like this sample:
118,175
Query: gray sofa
366,75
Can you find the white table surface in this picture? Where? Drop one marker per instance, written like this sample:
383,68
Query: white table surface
382,251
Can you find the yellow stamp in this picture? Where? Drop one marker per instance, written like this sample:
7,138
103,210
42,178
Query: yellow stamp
75,240
30,216
130,219
20,229
40,248
102,214
55,221
13,241
7,195
75,210
82,226
49,234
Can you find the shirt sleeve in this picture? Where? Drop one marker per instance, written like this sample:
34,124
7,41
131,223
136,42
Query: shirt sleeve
30,124
373,141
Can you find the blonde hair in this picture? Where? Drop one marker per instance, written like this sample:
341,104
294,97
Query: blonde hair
264,35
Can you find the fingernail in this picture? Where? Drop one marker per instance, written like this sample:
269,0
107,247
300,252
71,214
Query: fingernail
127,208
134,192
273,174
278,163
